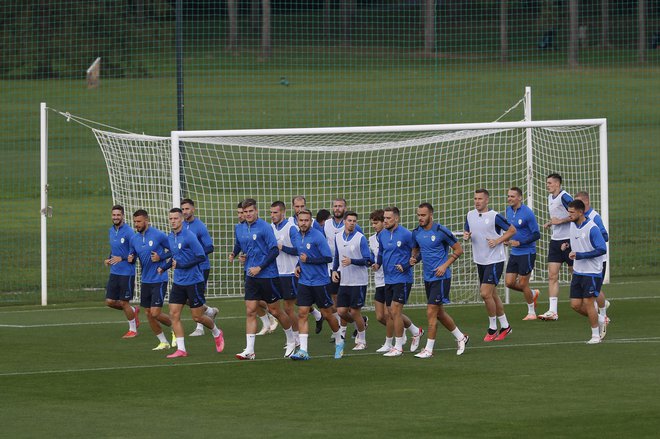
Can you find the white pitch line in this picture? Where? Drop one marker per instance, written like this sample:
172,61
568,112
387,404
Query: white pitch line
114,322
233,361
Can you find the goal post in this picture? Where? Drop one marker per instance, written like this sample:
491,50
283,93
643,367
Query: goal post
371,167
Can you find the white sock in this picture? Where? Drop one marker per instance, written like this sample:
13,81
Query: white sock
180,344
594,332
430,343
414,330
342,331
492,323
338,318
317,314
389,340
553,304
458,335
303,342
289,335
264,320
208,311
132,326
602,311
215,331
249,346
161,338
504,323
296,336
338,338
361,337
398,343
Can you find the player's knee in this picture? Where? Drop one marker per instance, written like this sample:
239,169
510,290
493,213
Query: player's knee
576,305
511,283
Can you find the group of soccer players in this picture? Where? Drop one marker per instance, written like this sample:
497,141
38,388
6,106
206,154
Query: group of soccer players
322,265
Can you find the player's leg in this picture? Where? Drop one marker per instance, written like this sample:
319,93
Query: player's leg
197,310
199,329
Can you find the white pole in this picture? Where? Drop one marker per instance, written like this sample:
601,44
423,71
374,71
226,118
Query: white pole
44,204
604,193
176,172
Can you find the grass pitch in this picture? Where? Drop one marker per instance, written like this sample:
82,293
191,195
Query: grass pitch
66,372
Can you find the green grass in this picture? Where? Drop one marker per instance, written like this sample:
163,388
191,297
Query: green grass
67,373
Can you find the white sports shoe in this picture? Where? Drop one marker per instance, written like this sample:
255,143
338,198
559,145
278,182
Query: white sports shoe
214,312
264,330
461,344
549,315
246,355
405,338
384,348
424,354
414,344
360,346
290,349
394,352
273,323
602,328
607,304
594,340
197,332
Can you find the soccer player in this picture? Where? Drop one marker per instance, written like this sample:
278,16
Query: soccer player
321,217
268,322
188,286
352,258
587,248
314,256
200,230
256,239
431,242
119,290
523,249
287,236
150,246
395,245
601,302
485,226
558,200
381,305
300,203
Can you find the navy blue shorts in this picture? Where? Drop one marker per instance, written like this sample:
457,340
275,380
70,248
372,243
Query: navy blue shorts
120,287
152,295
437,292
379,296
397,293
521,264
289,287
262,288
193,295
333,288
351,296
309,295
604,269
491,273
583,287
556,254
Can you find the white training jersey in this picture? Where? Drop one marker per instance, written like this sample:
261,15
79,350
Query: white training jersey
556,208
379,277
286,263
331,230
352,275
581,243
482,228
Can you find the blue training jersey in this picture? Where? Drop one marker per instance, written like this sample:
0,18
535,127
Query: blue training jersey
314,272
120,240
258,242
434,249
395,248
202,233
142,244
188,254
527,229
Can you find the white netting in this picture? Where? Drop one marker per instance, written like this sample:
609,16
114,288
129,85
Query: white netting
370,170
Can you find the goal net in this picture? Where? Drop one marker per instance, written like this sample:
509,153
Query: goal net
371,167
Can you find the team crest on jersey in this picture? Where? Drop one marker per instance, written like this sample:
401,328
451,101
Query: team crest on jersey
352,247
433,238
151,243
398,243
519,221
308,246
121,240
254,237
487,221
179,246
